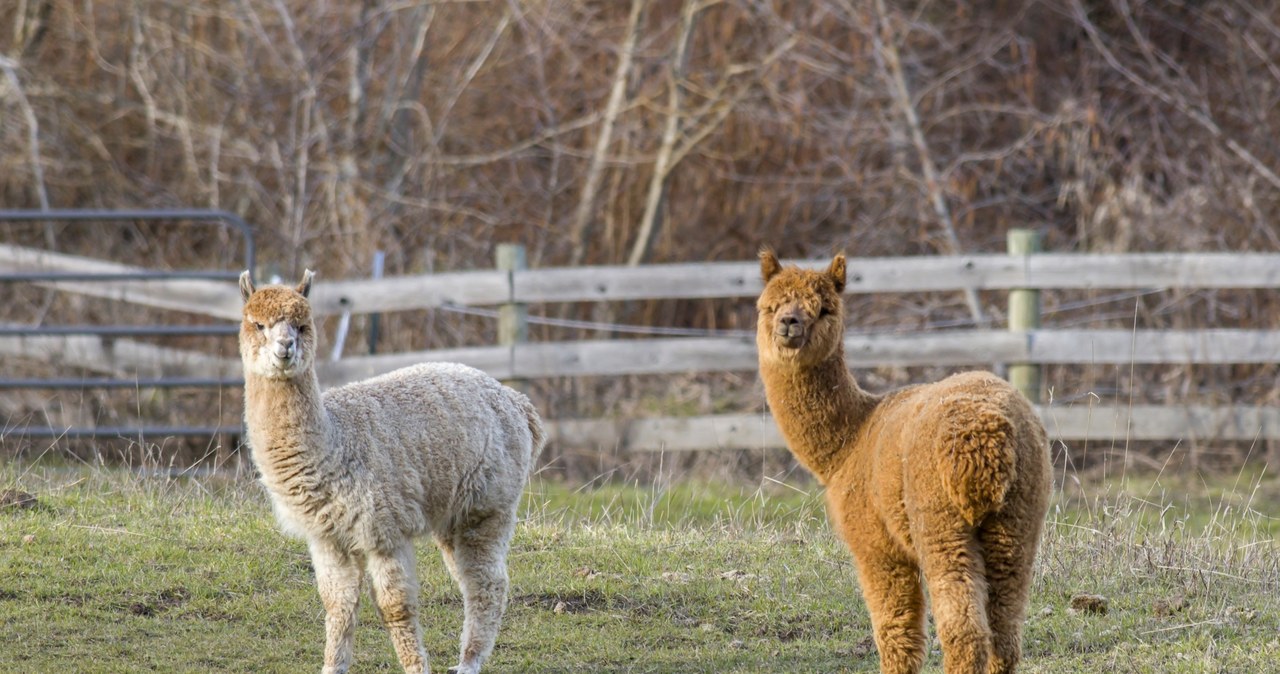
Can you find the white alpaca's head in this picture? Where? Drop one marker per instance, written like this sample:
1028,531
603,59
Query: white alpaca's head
277,333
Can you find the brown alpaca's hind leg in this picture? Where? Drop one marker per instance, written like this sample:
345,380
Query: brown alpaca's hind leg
891,587
954,570
1009,553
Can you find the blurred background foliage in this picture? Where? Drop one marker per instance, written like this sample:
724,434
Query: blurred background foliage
634,132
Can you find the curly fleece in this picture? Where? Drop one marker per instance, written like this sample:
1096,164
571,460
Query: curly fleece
362,469
941,486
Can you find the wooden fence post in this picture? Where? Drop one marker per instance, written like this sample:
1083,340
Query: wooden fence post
375,320
1024,314
513,323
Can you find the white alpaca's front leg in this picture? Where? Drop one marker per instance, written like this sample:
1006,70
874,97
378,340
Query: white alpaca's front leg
394,581
338,579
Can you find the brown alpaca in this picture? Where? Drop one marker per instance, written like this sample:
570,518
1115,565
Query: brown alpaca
949,480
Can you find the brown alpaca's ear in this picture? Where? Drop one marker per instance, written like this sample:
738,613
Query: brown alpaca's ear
836,272
769,265
304,286
246,286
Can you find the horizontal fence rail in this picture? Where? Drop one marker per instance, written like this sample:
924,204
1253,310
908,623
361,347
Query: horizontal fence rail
543,360
535,360
539,360
681,281
1101,423
1098,423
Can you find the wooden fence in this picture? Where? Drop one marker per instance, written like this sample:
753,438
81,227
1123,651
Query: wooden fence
736,352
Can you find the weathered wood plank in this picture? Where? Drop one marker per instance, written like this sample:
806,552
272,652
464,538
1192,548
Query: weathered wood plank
1120,347
1101,423
700,354
911,274
866,275
122,358
406,293
682,281
496,360
1162,422
536,360
674,281
209,298
949,349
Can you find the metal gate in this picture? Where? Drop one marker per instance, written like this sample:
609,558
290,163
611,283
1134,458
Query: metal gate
183,216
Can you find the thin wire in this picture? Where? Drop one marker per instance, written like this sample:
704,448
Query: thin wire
604,327
747,334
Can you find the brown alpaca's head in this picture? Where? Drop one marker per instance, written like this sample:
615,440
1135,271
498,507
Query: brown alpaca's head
800,314
277,334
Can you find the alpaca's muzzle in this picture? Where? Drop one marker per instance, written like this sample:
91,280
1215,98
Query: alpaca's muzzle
790,331
284,352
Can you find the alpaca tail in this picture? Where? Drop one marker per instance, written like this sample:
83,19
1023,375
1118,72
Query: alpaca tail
979,461
535,428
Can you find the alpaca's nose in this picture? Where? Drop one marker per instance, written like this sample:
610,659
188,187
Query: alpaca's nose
285,347
790,325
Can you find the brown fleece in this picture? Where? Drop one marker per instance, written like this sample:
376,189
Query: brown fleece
946,483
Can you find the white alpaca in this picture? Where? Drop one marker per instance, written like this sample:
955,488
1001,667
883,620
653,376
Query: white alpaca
362,469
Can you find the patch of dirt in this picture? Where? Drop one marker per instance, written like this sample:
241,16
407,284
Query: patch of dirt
581,602
797,627
158,603
1089,604
1165,607
16,499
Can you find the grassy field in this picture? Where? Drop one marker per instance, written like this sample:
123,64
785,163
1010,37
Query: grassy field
112,572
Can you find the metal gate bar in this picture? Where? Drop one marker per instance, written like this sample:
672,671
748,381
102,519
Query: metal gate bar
225,219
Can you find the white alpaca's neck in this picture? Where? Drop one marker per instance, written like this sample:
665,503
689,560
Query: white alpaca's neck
286,421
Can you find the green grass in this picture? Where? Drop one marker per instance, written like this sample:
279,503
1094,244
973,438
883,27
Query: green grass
116,573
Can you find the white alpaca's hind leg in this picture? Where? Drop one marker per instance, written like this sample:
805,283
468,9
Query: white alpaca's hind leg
338,579
480,554
446,552
394,581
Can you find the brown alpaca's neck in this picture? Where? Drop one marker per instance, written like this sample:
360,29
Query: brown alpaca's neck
819,409
285,419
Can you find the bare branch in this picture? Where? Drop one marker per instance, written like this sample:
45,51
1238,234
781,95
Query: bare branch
586,201
1179,103
33,130
670,132
892,64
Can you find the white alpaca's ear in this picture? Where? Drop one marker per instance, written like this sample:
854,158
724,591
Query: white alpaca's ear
769,265
246,285
304,286
837,272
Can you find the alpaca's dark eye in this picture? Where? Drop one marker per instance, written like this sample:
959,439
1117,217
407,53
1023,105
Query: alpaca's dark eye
302,329
259,326
826,311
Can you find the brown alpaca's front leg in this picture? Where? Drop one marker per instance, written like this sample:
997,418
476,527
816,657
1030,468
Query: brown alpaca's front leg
891,587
